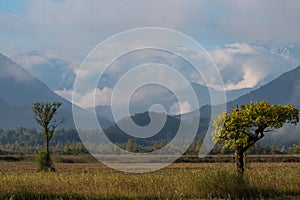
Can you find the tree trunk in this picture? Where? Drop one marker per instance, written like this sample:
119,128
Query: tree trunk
47,149
239,159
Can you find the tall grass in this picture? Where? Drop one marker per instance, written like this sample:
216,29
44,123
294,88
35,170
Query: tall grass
179,181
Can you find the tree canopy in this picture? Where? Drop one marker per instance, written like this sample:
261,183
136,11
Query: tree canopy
44,116
243,126
44,113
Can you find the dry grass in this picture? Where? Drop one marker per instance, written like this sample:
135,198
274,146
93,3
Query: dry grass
177,181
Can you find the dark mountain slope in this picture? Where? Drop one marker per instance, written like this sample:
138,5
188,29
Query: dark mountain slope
283,90
19,90
202,93
165,135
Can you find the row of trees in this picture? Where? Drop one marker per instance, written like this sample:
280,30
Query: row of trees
239,129
25,141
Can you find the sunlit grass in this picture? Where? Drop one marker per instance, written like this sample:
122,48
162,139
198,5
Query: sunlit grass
178,181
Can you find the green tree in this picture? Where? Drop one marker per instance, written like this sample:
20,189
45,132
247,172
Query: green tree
79,147
296,148
273,149
242,127
44,116
282,150
157,145
199,143
129,145
66,149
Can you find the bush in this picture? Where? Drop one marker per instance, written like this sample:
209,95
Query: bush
45,163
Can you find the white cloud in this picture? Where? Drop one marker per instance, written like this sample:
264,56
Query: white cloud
67,94
149,92
27,61
239,48
226,55
251,77
77,26
74,27
36,57
249,65
101,97
177,109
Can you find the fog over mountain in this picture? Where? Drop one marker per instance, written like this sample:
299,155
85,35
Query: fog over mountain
283,90
19,90
168,99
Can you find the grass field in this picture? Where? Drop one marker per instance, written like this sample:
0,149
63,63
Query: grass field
19,180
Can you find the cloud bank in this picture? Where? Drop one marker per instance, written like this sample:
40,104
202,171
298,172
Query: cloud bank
250,41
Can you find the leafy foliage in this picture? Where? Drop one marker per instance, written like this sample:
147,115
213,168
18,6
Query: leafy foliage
44,117
246,125
242,127
44,163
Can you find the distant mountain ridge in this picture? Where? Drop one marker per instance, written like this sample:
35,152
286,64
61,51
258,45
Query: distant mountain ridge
165,135
236,97
19,90
283,90
202,93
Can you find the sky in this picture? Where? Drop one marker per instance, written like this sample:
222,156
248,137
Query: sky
251,42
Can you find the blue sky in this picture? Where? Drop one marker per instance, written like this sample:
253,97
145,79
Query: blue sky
250,41
13,6
85,23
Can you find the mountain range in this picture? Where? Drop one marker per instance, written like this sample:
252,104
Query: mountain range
283,90
202,94
19,90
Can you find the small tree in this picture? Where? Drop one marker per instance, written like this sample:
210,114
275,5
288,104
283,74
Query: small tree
129,145
44,113
282,150
199,143
242,127
296,148
157,145
66,149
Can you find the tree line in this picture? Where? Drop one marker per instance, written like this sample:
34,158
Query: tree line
66,141
238,130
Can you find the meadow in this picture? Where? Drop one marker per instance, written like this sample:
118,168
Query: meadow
19,180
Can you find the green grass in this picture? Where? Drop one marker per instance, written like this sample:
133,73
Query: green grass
178,181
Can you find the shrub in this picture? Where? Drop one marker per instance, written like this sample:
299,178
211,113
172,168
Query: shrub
44,162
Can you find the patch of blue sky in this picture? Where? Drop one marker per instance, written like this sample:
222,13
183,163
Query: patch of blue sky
12,6
59,1
210,40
